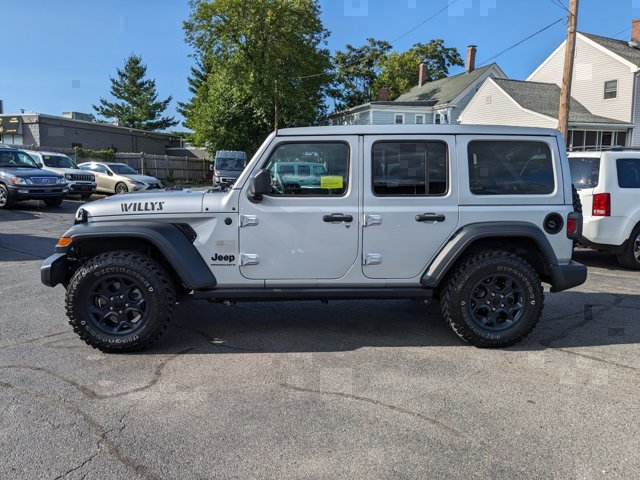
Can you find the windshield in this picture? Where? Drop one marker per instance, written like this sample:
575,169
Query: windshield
58,161
585,171
122,169
16,160
233,164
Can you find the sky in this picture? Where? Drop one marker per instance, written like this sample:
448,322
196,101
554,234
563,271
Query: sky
58,56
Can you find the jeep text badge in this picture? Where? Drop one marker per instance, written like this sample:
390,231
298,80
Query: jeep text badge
142,206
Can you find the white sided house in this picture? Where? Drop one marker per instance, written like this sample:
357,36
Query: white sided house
535,104
437,102
605,83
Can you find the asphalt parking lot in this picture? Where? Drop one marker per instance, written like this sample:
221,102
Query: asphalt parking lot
305,390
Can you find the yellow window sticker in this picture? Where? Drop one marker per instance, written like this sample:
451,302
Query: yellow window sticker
331,181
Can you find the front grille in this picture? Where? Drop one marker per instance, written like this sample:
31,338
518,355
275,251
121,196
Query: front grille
153,185
83,177
44,180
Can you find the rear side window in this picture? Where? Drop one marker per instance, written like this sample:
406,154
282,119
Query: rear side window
585,172
409,168
510,168
628,172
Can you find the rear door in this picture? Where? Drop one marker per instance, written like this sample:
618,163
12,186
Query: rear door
410,202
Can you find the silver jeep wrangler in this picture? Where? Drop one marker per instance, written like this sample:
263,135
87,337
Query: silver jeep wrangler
476,216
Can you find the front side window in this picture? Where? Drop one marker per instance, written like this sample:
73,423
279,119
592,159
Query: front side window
628,172
311,169
122,169
610,89
509,167
409,168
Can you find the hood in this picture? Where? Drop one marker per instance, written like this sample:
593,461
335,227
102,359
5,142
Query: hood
142,178
30,172
159,202
62,171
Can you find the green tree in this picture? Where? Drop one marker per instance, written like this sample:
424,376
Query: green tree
356,71
139,106
362,71
264,62
399,70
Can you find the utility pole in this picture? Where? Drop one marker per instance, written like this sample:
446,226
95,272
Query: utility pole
276,119
567,74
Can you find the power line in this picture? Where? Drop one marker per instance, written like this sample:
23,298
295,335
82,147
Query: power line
521,41
560,4
392,42
621,32
422,23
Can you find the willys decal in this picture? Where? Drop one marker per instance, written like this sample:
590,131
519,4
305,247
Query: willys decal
142,206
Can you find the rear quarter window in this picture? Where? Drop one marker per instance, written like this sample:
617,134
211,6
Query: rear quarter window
585,172
510,167
628,172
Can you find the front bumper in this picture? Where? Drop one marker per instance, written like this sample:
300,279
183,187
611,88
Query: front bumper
24,192
564,277
54,270
82,188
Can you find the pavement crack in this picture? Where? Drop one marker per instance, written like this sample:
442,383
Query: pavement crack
371,401
91,457
217,342
92,394
33,340
111,447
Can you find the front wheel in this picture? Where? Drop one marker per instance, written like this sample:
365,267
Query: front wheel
121,188
492,299
630,257
120,301
5,200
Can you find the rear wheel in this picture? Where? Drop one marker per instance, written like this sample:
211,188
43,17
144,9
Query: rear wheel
630,257
53,202
121,188
120,301
492,299
5,201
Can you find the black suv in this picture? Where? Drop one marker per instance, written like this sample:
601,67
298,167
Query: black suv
22,179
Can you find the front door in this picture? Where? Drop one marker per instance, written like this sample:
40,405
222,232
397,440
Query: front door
307,228
410,203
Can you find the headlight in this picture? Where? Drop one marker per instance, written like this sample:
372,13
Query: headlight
135,182
21,181
61,181
67,176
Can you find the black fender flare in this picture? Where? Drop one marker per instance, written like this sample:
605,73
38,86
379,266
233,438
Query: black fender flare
463,238
169,239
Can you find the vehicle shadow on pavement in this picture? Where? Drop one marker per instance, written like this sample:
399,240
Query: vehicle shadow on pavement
570,319
17,215
16,247
595,258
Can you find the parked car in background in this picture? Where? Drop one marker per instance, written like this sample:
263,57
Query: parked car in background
292,176
227,167
22,179
609,186
112,177
80,182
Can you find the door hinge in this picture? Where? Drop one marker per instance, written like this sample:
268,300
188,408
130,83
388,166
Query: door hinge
372,258
249,259
248,220
370,220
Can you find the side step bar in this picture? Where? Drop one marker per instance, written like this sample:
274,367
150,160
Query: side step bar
279,294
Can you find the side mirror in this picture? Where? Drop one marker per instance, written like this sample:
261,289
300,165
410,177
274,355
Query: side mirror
259,185
211,167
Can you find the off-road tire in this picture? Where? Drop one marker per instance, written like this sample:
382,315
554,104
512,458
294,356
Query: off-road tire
53,202
577,203
84,306
461,308
5,199
630,257
120,187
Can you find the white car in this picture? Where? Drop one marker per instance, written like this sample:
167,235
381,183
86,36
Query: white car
609,187
80,182
113,177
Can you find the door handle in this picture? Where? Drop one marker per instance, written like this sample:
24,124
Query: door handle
430,217
337,217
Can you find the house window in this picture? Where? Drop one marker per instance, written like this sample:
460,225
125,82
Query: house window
488,99
610,89
399,119
419,119
437,119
